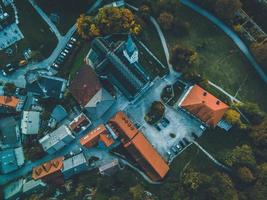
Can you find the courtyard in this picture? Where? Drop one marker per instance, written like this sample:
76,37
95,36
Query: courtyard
180,126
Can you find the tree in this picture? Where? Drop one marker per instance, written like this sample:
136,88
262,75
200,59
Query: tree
145,11
108,20
9,89
258,135
182,57
193,180
222,188
226,9
166,20
240,156
260,52
137,192
233,117
252,111
180,27
245,175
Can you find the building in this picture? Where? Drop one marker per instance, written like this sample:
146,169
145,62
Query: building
45,86
9,104
49,172
13,190
139,147
94,137
11,160
74,165
56,140
110,168
203,105
89,93
9,133
59,113
79,123
30,122
118,61
32,186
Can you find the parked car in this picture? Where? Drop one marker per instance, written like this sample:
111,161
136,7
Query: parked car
186,141
55,65
66,51
157,127
174,149
70,45
73,39
194,135
178,147
63,54
203,128
181,144
9,69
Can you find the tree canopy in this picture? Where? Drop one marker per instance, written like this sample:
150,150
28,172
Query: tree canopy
226,9
108,20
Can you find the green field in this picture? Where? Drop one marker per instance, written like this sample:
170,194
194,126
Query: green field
220,60
37,35
68,11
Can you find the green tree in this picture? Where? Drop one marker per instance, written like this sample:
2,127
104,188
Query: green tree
240,156
137,192
222,188
144,11
166,20
226,9
182,57
245,175
252,111
258,135
233,117
260,52
9,89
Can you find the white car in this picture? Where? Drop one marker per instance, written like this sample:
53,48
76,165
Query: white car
73,39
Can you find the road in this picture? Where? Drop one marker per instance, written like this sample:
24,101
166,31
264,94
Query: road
18,77
231,34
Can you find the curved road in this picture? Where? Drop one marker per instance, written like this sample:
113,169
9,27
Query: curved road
236,39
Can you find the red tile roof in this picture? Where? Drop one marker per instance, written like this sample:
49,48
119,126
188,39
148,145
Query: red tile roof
47,168
85,85
204,105
9,101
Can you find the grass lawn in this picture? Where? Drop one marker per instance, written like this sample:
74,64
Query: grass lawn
220,60
37,35
68,11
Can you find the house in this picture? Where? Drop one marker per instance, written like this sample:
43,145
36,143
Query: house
30,122
45,86
74,165
110,168
59,113
32,186
9,133
9,104
139,147
49,171
118,61
13,190
79,123
99,134
203,105
56,140
11,160
89,93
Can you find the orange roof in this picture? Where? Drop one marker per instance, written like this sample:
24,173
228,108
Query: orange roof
204,105
106,139
99,133
150,155
47,168
121,121
9,101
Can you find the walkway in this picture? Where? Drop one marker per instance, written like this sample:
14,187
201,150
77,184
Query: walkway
46,19
241,45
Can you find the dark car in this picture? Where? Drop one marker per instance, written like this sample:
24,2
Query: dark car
157,127
181,144
186,141
9,69
194,135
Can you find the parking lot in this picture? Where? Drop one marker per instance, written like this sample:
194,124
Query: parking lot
167,135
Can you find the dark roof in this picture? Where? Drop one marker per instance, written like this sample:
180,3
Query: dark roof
59,113
8,131
85,85
46,86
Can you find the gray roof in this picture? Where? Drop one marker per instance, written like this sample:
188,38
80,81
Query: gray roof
8,132
74,162
59,113
33,185
12,190
11,159
30,122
